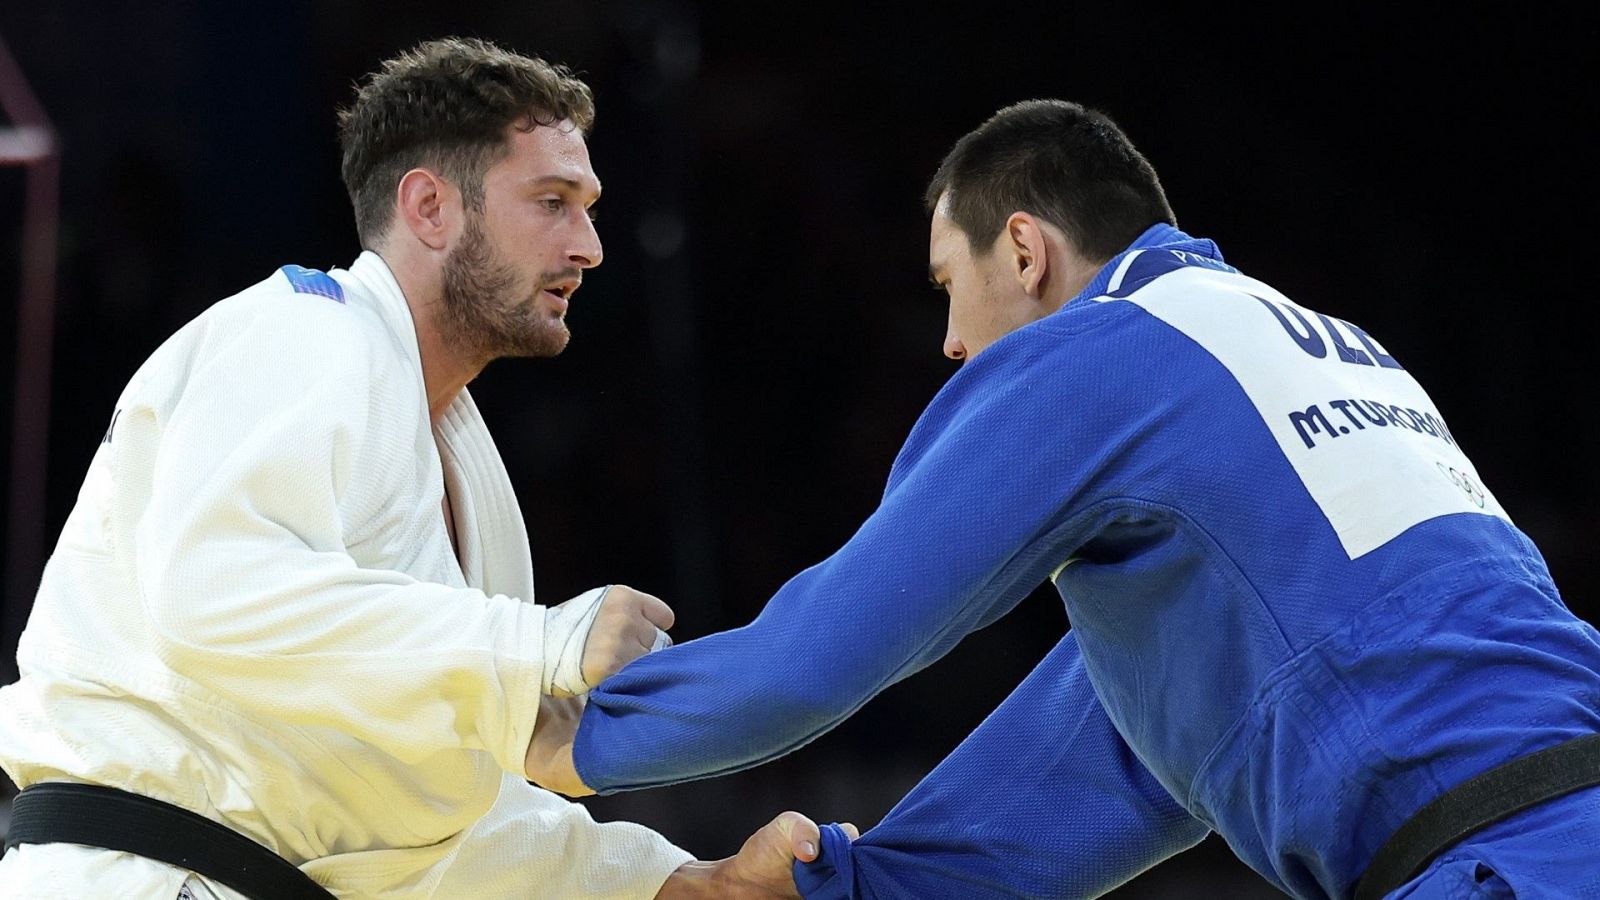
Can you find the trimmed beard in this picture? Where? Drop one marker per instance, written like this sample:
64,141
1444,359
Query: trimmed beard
485,317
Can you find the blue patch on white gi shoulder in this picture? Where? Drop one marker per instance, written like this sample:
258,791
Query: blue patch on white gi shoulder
313,281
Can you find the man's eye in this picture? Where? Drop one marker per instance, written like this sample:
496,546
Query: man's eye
553,204
593,214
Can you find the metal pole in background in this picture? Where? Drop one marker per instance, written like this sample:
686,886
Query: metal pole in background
29,142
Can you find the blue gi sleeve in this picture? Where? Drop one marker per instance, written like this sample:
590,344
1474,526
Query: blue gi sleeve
1044,799
973,518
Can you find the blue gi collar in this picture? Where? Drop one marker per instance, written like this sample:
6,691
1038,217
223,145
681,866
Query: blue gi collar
1160,236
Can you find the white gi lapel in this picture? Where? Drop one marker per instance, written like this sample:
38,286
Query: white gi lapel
490,534
491,539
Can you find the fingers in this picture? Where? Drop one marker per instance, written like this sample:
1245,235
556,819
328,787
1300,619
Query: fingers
655,611
628,625
645,609
850,829
764,866
800,833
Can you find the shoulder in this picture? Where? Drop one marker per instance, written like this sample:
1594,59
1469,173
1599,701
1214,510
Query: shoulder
1151,326
295,323
272,348
281,304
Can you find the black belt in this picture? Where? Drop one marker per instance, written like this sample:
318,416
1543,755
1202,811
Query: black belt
60,813
1477,803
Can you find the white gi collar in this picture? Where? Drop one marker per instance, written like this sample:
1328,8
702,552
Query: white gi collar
377,282
492,537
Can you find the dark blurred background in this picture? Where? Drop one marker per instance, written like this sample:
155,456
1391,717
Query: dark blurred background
762,335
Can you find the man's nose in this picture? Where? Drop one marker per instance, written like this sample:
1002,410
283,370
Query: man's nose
953,347
587,252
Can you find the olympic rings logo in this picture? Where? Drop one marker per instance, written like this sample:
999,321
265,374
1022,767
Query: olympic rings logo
1462,480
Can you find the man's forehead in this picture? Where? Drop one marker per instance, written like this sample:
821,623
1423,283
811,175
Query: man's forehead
556,154
940,231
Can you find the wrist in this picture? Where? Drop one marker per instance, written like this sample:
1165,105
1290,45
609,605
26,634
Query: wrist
548,761
692,880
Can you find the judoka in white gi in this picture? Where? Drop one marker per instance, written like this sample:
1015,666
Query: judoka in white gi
295,593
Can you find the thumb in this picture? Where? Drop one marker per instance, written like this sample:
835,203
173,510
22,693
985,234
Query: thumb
802,835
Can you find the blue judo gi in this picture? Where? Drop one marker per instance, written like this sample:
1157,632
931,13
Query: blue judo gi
1298,616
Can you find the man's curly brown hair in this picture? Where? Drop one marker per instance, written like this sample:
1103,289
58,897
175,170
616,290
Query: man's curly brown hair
446,105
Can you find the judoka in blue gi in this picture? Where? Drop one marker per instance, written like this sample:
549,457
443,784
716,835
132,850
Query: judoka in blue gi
1299,616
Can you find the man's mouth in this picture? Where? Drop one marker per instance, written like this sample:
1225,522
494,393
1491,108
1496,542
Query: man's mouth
562,292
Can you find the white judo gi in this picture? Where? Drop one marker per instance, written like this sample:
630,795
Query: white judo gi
254,612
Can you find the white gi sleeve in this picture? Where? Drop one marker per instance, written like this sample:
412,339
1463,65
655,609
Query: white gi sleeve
576,856
243,471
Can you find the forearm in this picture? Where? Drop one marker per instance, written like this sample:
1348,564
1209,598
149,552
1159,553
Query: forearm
410,667
1043,799
978,511
830,640
833,637
690,881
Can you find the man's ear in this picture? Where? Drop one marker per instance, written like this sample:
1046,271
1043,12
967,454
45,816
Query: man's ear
421,200
1025,242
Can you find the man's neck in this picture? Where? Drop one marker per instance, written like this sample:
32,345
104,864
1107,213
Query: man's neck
1077,275
444,373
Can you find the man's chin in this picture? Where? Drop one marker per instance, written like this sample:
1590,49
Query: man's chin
548,341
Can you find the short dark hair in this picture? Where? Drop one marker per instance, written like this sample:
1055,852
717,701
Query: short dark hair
447,104
1069,165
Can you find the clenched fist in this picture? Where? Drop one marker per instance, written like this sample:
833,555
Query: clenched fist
761,870
598,632
629,625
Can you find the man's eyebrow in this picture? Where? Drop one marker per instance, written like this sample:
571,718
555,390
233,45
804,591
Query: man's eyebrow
571,184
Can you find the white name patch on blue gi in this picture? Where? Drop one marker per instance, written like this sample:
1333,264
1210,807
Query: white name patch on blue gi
1365,439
